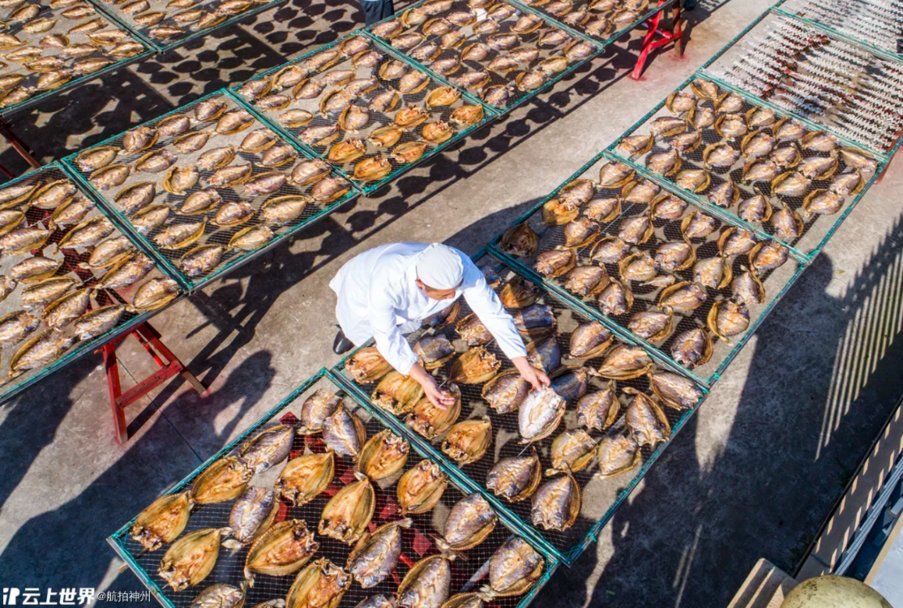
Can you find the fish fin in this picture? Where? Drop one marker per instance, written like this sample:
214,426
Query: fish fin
406,523
232,544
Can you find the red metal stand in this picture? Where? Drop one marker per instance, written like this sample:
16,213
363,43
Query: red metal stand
658,37
150,340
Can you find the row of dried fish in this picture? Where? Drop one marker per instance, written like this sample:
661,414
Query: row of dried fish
597,18
807,172
179,18
44,47
371,110
490,48
284,548
192,183
53,305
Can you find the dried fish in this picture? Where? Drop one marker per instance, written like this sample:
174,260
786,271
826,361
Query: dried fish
767,256
674,391
617,454
426,585
181,235
16,326
22,240
98,321
305,477
268,447
645,419
35,268
251,514
395,392
467,441
67,308
431,421
624,362
367,365
280,550
475,366
46,291
190,559
154,294
219,595
321,584
615,299
683,297
162,521
469,523
344,433
540,414
572,451
513,569
421,488
383,456
557,503
692,348
348,513
376,554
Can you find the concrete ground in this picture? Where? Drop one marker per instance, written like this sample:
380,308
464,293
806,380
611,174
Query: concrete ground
753,474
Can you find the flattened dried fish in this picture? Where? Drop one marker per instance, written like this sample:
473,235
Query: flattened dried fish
348,513
426,585
268,447
280,550
467,441
190,559
252,513
572,451
343,432
223,480
515,478
513,569
540,414
645,419
431,421
421,488
383,456
375,554
469,523
320,585
162,521
305,477
692,348
617,454
624,362
674,391
557,503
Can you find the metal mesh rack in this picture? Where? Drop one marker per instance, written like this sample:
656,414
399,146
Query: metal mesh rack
45,273
165,24
242,188
468,572
733,140
500,51
601,496
602,21
722,277
871,22
53,46
845,87
363,109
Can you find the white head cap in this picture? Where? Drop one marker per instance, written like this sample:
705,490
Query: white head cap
439,267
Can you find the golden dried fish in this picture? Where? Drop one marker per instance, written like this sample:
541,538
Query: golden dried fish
846,184
695,180
180,179
555,262
467,441
330,189
431,421
683,297
280,210
858,161
692,348
586,281
155,161
666,163
747,288
22,240
426,585
154,294
383,456
617,454
10,220
95,158
376,554
513,569
190,559
819,167
35,268
635,145
223,480
162,521
321,584
652,325
667,126
645,419
698,225
343,432
38,351
280,550
727,318
46,291
367,365
735,241
475,366
233,121
348,513
109,177
714,273
421,488
787,223
200,201
506,391
731,126
760,117
791,184
128,271
304,478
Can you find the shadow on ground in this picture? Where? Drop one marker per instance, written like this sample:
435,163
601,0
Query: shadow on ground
795,437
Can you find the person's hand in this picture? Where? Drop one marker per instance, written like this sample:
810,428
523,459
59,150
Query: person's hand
438,397
536,377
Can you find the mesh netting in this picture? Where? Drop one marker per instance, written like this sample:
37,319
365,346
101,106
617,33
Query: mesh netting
835,83
167,23
53,45
733,140
234,186
604,20
601,495
49,289
496,50
720,270
468,570
876,22
361,109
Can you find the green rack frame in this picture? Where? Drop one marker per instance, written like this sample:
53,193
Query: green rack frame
364,187
149,50
118,540
159,47
567,555
189,284
705,70
9,391
804,255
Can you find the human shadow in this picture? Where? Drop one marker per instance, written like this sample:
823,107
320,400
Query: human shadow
65,546
757,477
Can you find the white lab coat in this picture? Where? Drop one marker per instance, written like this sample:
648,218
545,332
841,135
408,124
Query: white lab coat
378,298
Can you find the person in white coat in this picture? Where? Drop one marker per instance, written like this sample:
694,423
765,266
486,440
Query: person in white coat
387,291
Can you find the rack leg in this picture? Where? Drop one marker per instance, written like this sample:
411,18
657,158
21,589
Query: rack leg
18,145
656,38
168,366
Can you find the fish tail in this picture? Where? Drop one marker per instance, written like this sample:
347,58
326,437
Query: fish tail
486,593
